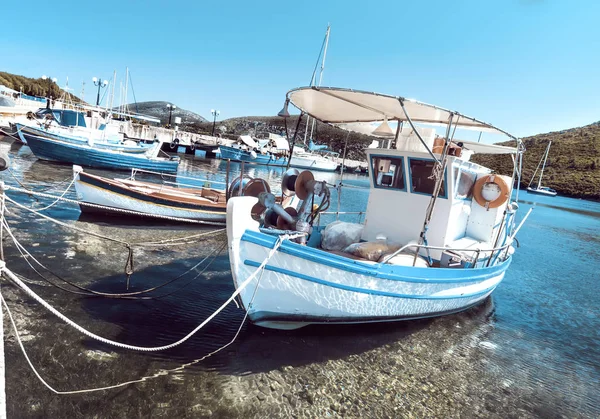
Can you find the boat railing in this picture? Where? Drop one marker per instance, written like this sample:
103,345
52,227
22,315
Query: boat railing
338,213
476,251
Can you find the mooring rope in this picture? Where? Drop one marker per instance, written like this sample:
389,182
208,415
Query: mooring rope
89,292
138,380
239,289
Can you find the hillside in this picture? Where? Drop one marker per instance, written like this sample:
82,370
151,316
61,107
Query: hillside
573,166
158,109
35,87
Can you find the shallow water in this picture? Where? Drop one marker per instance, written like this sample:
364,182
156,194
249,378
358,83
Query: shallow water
533,349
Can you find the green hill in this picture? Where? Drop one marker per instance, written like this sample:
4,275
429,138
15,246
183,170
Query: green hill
35,87
573,166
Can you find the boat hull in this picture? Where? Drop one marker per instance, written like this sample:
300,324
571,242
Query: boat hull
242,155
541,192
310,163
92,190
302,285
85,155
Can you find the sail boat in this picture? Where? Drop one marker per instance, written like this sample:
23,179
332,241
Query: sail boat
539,189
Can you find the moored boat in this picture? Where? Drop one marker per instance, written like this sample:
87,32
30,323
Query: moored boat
99,155
122,196
539,189
437,236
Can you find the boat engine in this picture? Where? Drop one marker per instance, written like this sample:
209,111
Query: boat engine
272,215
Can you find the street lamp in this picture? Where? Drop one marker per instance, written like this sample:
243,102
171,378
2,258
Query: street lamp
215,113
100,83
171,108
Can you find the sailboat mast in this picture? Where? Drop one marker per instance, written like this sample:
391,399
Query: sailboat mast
544,165
312,128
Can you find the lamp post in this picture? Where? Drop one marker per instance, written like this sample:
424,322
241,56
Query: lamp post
214,113
171,108
50,80
100,83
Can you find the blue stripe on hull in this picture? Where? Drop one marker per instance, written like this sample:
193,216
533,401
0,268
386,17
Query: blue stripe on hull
367,291
383,271
261,317
88,156
241,155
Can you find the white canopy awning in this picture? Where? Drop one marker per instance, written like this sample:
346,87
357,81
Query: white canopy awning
281,143
246,139
345,106
481,148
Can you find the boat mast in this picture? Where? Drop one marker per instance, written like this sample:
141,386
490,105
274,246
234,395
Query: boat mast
312,128
314,74
544,165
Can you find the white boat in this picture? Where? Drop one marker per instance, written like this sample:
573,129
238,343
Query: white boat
443,226
122,196
303,159
539,189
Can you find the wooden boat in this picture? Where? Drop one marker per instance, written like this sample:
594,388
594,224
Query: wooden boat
446,224
148,199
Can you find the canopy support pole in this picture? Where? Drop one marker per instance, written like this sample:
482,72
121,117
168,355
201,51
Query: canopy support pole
293,142
438,171
417,132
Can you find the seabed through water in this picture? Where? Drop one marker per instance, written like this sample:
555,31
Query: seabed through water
531,350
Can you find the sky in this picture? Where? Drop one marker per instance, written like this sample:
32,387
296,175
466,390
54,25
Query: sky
526,66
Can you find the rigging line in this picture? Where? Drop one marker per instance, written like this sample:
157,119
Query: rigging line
133,91
58,198
90,292
81,230
139,380
239,289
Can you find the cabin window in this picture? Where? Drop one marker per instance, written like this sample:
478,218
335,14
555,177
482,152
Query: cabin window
463,183
388,172
421,181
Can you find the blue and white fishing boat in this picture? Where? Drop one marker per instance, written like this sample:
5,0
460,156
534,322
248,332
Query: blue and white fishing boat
248,150
100,155
437,236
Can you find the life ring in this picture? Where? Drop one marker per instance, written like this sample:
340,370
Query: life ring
174,144
192,146
496,180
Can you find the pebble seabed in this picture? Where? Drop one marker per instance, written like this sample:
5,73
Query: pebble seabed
432,368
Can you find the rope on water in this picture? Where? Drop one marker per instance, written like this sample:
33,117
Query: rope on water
138,380
89,292
239,289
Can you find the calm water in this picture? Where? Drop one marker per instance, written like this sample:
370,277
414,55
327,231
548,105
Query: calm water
543,334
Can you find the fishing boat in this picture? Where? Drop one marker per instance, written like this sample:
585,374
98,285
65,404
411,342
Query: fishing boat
437,237
139,198
272,152
124,156
539,189
275,152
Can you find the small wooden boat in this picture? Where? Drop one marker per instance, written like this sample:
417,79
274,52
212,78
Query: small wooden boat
148,199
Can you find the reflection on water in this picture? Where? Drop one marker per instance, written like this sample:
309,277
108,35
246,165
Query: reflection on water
540,332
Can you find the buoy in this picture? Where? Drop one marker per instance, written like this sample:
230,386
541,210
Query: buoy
4,161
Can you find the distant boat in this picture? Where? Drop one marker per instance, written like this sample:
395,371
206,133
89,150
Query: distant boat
275,152
149,199
99,155
539,189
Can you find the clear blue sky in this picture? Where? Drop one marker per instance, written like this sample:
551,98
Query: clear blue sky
527,66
